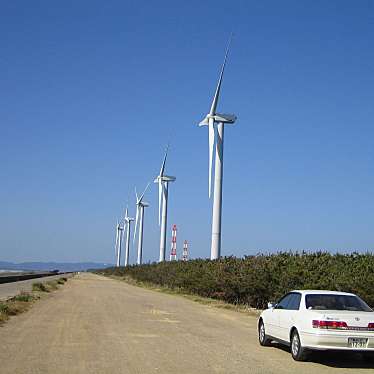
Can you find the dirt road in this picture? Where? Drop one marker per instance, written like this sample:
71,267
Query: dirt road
98,325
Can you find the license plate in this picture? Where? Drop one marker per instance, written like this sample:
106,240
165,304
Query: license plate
357,342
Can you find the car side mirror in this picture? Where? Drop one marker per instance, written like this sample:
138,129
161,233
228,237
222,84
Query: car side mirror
271,305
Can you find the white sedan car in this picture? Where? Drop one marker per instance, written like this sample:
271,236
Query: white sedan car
318,320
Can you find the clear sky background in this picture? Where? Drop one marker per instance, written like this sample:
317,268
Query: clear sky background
91,92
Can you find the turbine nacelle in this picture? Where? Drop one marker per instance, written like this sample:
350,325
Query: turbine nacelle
119,227
164,178
218,117
127,218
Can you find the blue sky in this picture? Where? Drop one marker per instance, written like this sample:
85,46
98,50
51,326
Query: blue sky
91,92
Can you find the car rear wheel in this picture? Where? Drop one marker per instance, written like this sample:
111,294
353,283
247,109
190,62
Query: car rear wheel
297,351
262,337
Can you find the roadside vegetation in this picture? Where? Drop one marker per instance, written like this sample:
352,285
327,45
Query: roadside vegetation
254,280
24,300
16,305
39,287
48,286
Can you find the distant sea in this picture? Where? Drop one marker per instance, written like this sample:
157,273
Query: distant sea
9,271
50,266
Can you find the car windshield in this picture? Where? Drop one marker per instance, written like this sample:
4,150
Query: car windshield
336,302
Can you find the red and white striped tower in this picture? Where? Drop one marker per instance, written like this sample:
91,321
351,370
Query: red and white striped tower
173,253
185,251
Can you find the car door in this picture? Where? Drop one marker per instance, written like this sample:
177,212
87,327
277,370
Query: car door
286,316
275,315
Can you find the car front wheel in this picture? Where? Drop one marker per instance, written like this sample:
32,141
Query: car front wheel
262,338
297,350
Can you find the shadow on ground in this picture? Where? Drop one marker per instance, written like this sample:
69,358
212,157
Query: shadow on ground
336,359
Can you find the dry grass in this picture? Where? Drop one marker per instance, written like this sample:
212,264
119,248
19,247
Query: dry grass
25,297
16,305
52,285
39,287
3,316
62,280
199,299
24,300
49,285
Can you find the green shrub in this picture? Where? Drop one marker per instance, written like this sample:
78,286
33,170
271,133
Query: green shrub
39,287
4,308
255,280
24,296
11,308
51,285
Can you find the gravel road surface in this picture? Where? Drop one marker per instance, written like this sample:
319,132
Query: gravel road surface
99,325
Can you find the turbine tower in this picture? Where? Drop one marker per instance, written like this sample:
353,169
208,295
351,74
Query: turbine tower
215,122
116,244
127,224
163,186
140,205
119,243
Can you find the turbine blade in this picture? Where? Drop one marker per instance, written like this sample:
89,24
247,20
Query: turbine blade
136,195
162,170
218,89
159,200
126,213
142,195
211,149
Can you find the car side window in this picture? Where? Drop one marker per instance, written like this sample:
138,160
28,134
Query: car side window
294,303
283,302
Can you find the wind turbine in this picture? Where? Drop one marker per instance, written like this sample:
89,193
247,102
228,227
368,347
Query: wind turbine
215,122
119,243
163,185
127,223
140,205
